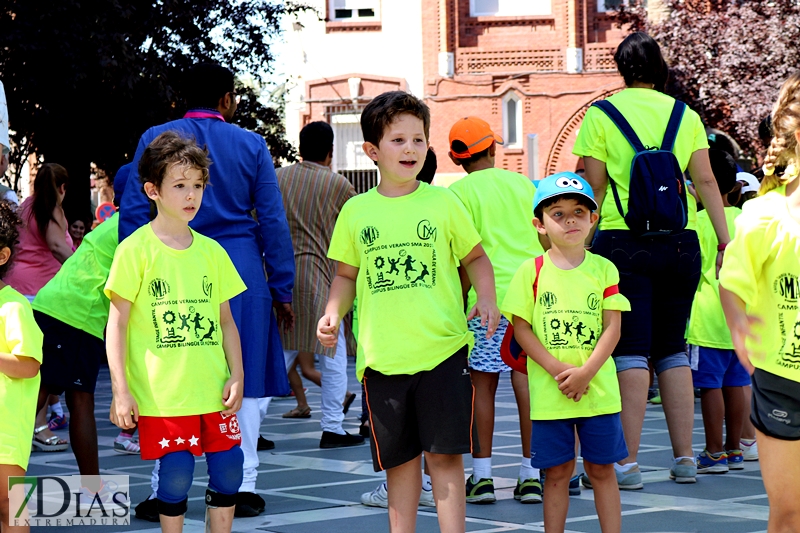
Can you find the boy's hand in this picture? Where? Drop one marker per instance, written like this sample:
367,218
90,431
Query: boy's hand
284,315
232,395
489,314
124,411
741,330
574,382
328,330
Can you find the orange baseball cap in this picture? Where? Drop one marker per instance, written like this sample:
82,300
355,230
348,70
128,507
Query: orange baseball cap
475,133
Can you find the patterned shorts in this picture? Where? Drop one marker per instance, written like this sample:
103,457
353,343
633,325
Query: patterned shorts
485,356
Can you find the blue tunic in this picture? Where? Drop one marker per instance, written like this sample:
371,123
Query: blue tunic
242,179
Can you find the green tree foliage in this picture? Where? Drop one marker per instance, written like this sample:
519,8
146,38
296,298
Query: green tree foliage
85,79
727,59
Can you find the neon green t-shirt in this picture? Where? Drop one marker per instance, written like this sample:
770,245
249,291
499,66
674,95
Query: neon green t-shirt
707,326
176,365
761,267
21,336
568,319
75,295
500,204
648,112
410,309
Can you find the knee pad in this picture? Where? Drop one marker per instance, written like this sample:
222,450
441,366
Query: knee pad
172,509
175,472
225,471
215,499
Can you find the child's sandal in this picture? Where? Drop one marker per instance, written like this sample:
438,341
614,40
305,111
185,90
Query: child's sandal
52,444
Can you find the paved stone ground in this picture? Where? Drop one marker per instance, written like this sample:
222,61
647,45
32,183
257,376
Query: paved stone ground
312,490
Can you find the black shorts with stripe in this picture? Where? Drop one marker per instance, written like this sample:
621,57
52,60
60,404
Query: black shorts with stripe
429,411
71,357
775,405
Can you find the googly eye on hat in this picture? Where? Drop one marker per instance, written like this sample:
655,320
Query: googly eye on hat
563,183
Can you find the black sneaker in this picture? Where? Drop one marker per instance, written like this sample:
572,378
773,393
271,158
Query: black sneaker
364,431
148,510
264,444
481,491
249,504
334,440
528,491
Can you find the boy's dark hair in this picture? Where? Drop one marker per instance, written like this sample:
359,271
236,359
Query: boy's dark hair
316,141
170,148
386,107
639,58
459,147
205,83
9,231
547,202
765,130
724,168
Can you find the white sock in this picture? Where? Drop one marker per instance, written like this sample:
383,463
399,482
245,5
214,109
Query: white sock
57,409
677,459
526,471
426,482
747,442
481,468
624,468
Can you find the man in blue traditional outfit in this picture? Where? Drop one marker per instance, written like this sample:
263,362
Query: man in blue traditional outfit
243,211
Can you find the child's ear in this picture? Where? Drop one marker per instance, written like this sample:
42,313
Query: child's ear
594,217
5,255
371,150
539,226
150,190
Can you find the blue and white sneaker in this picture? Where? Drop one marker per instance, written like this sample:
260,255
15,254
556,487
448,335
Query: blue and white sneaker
712,463
735,460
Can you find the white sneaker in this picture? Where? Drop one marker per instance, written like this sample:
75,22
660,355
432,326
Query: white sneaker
750,452
380,497
426,498
377,498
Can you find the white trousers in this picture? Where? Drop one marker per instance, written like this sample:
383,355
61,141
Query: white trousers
250,415
333,384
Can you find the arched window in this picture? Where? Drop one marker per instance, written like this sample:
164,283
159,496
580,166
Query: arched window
512,120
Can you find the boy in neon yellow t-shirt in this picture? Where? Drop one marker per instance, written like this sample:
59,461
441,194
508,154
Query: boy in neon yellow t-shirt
173,348
398,246
566,312
20,357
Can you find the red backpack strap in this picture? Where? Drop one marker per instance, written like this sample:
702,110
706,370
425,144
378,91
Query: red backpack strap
539,261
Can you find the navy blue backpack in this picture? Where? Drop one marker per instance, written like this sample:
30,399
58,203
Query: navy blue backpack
656,194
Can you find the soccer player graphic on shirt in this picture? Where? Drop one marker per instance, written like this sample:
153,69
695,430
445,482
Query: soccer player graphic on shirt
185,322
197,323
408,264
393,265
210,332
422,274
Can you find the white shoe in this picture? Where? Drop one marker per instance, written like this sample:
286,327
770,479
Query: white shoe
380,497
750,452
426,498
377,498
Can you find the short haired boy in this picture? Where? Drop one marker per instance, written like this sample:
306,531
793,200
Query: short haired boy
173,348
716,370
566,312
499,204
398,246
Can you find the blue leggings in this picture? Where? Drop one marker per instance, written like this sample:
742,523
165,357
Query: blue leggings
175,474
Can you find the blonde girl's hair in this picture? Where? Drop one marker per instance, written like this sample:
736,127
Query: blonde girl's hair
783,149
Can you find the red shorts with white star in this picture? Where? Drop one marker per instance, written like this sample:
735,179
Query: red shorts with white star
212,432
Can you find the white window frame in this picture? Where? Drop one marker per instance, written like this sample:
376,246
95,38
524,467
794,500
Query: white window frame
513,8
517,120
601,6
355,5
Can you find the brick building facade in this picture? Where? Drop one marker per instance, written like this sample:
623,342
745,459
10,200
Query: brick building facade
528,67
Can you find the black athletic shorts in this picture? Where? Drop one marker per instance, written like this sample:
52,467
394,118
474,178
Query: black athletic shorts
775,405
70,356
430,411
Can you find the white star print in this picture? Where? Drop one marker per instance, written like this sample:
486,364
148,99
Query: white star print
179,441
193,441
164,443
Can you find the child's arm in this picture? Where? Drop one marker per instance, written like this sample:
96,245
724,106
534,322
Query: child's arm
340,301
573,382
739,322
523,333
124,410
481,275
18,366
233,391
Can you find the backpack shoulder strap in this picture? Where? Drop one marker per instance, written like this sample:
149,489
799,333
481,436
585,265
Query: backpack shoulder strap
622,124
539,261
672,126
